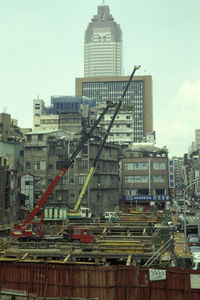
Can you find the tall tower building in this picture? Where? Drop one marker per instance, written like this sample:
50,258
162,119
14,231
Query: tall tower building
138,96
103,45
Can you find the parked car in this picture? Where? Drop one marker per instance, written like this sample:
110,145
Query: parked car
193,239
194,249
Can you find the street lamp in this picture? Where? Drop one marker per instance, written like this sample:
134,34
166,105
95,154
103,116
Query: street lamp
184,196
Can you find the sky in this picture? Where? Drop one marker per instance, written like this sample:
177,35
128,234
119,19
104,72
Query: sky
42,51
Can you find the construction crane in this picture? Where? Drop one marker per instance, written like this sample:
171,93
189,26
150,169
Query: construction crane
34,228
94,165
31,227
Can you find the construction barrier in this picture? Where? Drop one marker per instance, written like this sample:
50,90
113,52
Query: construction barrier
100,282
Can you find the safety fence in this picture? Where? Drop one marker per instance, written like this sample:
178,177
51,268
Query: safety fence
100,282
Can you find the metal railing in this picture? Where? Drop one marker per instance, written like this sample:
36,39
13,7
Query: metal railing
158,253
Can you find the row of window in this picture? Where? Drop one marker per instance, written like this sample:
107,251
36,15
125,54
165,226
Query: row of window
39,137
144,166
37,165
144,179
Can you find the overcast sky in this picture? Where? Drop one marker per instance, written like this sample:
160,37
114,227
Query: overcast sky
41,53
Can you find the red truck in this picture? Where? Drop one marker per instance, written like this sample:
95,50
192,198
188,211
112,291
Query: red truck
82,235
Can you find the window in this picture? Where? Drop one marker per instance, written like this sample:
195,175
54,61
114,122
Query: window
64,179
27,165
40,137
98,180
159,165
81,179
36,165
85,149
159,179
82,164
136,166
28,183
43,165
136,179
29,138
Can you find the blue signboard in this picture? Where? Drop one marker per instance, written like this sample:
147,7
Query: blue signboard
171,174
146,198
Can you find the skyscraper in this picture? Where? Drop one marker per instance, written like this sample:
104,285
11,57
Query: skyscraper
138,96
103,45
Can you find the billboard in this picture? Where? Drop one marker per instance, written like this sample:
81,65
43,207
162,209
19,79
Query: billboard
171,173
146,198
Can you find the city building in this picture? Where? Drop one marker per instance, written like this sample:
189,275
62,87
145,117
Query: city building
122,129
9,131
41,152
11,163
11,158
68,113
4,191
197,138
139,96
27,190
178,174
144,175
103,45
45,153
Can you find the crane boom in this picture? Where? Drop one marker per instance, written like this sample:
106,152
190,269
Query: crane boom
19,231
92,169
63,170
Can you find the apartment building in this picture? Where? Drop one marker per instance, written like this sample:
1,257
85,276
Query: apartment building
122,131
68,113
45,153
144,175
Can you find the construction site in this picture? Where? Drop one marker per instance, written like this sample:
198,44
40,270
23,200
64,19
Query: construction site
112,259
134,253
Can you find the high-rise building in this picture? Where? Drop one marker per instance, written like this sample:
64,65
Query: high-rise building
103,45
138,96
197,138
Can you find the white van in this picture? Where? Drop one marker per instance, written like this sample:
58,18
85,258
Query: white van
196,261
196,264
111,216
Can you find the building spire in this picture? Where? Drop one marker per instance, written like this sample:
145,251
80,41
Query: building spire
103,2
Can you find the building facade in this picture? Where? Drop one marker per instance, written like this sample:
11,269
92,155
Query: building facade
144,175
103,45
27,190
9,131
12,153
4,191
45,153
68,113
139,96
122,130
